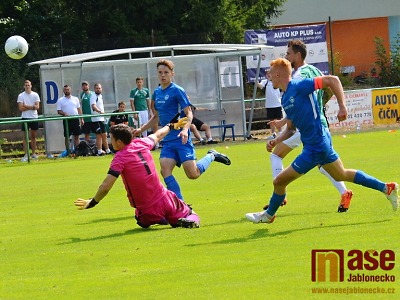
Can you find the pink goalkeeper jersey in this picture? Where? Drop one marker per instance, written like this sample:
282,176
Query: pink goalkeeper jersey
136,165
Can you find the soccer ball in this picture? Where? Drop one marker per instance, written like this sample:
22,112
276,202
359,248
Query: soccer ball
16,47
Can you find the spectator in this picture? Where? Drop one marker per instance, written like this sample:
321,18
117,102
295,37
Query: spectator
272,101
198,125
97,106
86,110
119,119
140,101
153,203
69,105
28,103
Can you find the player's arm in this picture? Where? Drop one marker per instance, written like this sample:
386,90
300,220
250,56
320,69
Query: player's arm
102,191
335,85
173,124
285,134
184,134
278,123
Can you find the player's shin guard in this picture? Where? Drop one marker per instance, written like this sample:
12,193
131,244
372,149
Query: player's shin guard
173,186
276,165
368,181
274,203
204,163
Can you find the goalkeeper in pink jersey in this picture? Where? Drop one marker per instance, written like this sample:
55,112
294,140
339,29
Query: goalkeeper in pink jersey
153,203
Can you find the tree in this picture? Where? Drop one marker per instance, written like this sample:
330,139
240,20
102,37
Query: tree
63,27
388,63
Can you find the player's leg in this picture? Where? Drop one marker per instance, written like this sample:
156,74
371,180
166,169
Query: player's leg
281,150
345,194
167,166
278,196
178,213
301,165
338,172
168,160
194,169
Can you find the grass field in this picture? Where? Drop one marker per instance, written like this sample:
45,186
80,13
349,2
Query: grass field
50,250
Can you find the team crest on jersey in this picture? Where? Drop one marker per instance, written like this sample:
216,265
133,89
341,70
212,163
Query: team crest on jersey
291,100
166,97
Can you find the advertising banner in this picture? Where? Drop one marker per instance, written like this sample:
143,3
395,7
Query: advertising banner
312,35
359,109
385,105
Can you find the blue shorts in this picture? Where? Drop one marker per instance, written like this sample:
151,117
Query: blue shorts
179,152
312,156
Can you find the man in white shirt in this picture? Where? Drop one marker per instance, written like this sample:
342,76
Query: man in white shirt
272,102
28,103
97,106
69,105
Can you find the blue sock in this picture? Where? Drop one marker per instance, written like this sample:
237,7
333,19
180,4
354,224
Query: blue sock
173,186
274,203
369,181
204,163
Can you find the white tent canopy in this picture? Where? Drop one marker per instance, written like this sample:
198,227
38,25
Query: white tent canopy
211,74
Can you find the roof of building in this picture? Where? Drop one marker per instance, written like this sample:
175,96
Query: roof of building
239,49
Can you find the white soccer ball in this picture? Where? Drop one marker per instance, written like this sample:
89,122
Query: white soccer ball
16,47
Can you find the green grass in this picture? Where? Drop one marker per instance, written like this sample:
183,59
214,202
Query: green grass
50,250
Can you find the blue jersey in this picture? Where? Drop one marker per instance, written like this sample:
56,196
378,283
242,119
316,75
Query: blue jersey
168,102
302,109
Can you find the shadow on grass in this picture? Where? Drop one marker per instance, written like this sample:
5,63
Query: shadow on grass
264,232
153,228
109,220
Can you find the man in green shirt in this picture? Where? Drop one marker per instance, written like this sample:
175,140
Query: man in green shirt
140,101
85,105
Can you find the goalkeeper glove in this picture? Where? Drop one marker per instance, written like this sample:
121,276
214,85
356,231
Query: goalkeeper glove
85,204
177,124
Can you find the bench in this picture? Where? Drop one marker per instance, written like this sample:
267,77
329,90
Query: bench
215,115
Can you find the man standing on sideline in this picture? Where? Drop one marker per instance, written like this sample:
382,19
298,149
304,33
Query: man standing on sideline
97,106
169,99
86,110
140,101
28,103
272,102
296,54
69,105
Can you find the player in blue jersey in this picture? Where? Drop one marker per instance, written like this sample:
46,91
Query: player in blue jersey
296,53
177,148
303,112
